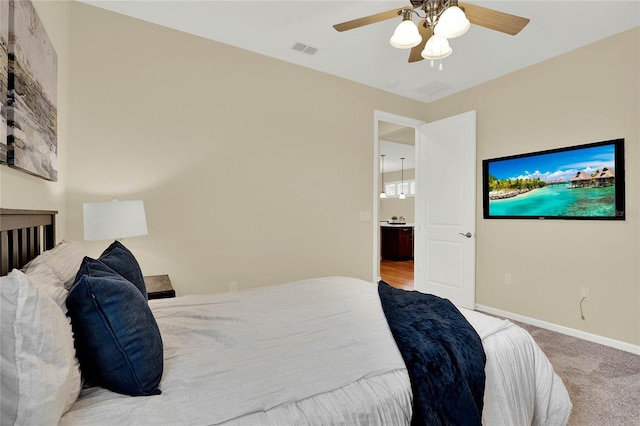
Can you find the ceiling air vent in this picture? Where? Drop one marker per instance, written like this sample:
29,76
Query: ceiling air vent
304,48
433,88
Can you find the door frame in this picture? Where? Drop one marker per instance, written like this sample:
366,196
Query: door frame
395,119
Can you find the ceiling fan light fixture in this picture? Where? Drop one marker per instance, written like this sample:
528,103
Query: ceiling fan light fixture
452,23
406,34
436,48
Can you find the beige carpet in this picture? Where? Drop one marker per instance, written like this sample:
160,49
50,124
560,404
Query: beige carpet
603,382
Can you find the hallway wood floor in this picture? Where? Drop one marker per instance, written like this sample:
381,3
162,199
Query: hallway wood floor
397,274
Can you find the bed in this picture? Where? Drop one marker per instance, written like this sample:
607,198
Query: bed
316,351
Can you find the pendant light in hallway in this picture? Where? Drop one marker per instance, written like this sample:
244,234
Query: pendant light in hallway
383,193
402,196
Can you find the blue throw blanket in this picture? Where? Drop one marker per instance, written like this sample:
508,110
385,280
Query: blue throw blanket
443,355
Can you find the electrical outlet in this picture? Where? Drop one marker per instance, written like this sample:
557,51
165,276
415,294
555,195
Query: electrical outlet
507,279
233,286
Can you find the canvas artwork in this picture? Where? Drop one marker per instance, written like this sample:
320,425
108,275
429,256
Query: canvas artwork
32,94
4,77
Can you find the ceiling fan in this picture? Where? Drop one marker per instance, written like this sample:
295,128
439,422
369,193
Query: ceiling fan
440,20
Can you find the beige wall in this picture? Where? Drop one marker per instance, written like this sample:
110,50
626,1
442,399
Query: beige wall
252,170
23,191
394,206
256,171
588,95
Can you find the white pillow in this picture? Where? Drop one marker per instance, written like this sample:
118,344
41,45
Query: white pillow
40,372
54,271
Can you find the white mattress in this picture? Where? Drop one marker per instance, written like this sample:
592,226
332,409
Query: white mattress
311,352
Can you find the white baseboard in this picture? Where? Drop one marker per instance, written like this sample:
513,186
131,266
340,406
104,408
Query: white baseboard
628,347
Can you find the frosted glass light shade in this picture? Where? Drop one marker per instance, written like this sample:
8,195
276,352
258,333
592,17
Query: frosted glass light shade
406,35
453,23
114,219
436,48
402,196
383,195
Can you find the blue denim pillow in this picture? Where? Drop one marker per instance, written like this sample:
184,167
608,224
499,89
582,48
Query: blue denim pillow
117,339
121,260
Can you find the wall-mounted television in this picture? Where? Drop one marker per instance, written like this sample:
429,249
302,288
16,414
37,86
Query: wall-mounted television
576,182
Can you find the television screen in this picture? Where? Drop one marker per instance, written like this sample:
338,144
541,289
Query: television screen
578,182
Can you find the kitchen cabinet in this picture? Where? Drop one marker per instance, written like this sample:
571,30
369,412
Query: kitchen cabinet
396,242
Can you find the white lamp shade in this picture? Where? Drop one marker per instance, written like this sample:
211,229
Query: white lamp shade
436,48
402,196
114,220
406,35
383,195
453,23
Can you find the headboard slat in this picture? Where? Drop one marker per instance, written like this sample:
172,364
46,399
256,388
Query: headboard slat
32,242
23,244
23,235
4,253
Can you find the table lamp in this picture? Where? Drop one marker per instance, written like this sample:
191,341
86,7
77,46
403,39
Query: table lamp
114,220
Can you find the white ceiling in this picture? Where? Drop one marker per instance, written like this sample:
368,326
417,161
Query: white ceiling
396,142
364,54
393,152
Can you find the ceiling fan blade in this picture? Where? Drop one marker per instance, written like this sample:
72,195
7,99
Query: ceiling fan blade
416,52
493,19
372,19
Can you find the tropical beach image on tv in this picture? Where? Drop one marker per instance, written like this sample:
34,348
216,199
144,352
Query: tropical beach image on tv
578,182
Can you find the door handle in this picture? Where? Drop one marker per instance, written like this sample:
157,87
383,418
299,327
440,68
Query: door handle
468,234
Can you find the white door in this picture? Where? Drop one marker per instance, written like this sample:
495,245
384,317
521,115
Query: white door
444,240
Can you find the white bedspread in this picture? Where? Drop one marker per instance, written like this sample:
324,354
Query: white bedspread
282,354
312,352
521,387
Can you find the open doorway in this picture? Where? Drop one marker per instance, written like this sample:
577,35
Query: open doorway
395,199
445,204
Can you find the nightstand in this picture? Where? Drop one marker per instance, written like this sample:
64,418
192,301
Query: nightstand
159,287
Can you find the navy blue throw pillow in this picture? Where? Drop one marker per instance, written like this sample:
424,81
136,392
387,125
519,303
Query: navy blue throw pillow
117,339
121,260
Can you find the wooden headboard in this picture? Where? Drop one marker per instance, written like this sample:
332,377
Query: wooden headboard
24,234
